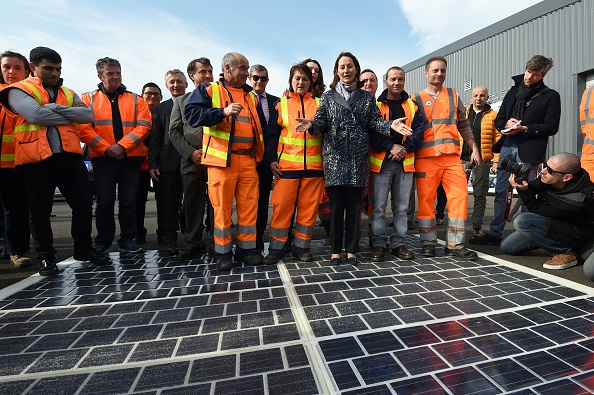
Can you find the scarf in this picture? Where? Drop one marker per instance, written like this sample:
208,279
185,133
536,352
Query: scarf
346,90
523,95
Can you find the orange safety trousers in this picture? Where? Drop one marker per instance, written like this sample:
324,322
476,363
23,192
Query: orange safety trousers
239,182
448,170
307,193
588,165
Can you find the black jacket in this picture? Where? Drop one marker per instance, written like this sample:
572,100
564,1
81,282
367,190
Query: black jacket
568,210
541,117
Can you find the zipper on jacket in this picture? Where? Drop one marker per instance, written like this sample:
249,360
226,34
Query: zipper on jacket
304,135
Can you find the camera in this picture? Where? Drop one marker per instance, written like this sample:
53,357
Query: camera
521,170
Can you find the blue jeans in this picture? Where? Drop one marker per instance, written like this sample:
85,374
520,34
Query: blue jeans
531,234
391,178
498,222
126,174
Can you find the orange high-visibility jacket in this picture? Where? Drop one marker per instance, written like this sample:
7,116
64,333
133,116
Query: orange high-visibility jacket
7,124
298,150
30,140
377,158
136,121
587,120
441,128
243,130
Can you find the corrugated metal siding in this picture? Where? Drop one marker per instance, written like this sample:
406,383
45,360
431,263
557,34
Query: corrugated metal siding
566,35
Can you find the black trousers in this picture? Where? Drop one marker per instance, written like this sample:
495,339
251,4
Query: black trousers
265,179
16,211
194,185
68,172
168,193
345,205
144,185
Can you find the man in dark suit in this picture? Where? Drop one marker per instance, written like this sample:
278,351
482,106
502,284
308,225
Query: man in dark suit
267,104
164,162
187,141
529,114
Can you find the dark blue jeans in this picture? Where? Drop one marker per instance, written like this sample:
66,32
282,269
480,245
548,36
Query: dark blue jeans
126,175
531,234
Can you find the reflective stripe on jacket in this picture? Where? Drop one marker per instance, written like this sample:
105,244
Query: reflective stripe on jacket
377,158
233,132
136,122
441,130
7,123
30,140
298,150
587,120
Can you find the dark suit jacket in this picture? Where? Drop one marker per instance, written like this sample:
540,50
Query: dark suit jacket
162,154
185,138
273,119
542,118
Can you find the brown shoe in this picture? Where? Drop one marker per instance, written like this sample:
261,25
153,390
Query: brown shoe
402,253
561,261
377,255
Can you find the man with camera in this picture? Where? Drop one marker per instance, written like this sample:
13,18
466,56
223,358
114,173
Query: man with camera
529,114
559,206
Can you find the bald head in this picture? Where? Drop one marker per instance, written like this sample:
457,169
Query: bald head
568,162
236,69
479,98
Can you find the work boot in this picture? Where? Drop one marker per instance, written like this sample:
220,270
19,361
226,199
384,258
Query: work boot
304,256
253,259
272,258
21,260
224,264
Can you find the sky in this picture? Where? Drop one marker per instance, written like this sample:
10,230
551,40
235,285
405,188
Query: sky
150,37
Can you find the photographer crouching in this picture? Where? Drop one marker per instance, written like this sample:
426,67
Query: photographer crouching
559,217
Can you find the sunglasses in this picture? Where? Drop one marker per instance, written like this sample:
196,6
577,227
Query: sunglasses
257,78
551,171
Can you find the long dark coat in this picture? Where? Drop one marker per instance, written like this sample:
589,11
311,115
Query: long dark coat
346,127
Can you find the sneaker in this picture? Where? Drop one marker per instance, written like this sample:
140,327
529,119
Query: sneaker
462,253
130,246
21,260
48,267
477,231
485,240
101,248
93,257
561,261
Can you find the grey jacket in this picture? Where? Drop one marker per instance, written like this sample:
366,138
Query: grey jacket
185,138
345,127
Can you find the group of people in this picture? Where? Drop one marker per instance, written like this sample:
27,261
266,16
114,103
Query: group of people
323,150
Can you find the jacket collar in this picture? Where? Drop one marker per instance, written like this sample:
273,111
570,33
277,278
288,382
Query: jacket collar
384,96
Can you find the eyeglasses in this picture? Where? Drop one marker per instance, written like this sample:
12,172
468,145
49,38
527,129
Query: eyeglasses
151,94
257,78
551,171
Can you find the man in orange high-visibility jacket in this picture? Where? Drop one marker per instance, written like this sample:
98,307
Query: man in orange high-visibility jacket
122,122
392,166
14,67
232,143
438,160
587,124
48,154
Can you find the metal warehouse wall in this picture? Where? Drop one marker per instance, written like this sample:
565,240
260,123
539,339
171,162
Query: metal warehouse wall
562,30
